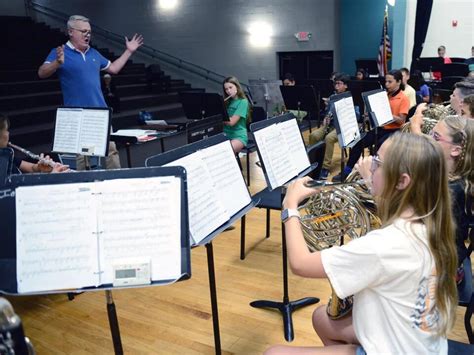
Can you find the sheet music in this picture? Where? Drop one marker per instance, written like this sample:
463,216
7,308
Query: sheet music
347,119
81,131
206,212
141,218
67,130
134,132
296,147
380,106
276,159
56,237
94,132
231,188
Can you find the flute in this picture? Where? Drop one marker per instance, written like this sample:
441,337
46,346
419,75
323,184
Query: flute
32,155
227,98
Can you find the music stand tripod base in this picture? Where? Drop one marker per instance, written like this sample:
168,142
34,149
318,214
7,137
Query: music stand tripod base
286,307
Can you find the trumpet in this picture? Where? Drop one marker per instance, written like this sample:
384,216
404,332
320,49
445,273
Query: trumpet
32,155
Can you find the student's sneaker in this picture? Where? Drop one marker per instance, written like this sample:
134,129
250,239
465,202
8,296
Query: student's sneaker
324,174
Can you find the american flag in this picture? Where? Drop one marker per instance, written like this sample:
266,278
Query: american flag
385,49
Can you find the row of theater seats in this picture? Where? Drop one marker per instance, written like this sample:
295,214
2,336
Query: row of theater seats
31,103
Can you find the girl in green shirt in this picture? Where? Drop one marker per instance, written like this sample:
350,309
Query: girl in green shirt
237,108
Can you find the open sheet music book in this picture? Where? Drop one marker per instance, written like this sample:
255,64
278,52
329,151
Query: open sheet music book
216,188
82,131
346,121
142,135
84,229
282,150
380,107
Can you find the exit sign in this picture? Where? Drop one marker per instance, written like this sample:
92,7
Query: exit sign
303,36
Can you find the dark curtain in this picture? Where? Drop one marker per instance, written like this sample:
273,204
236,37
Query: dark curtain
423,13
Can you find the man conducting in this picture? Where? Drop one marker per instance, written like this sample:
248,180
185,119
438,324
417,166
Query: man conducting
79,66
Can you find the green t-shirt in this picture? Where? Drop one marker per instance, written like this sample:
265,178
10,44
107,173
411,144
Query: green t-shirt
238,131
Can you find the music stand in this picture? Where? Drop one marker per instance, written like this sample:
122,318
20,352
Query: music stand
301,97
6,164
198,105
378,108
357,87
83,131
369,65
345,123
285,307
100,186
190,151
267,94
429,64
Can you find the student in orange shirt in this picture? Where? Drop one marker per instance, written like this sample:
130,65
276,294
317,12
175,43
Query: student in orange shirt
399,105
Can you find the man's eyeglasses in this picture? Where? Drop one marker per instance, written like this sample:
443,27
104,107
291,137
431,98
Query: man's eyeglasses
338,83
376,162
84,32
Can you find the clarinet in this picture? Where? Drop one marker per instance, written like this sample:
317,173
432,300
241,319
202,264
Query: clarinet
328,126
31,154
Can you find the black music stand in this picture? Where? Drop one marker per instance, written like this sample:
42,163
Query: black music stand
88,136
357,87
302,97
198,105
173,155
375,118
272,198
6,164
429,64
369,65
348,134
8,252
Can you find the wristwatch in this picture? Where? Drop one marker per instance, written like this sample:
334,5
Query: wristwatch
286,214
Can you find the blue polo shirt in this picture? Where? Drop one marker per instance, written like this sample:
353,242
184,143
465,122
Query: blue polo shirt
80,76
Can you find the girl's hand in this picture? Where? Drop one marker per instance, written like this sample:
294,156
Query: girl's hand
363,166
297,192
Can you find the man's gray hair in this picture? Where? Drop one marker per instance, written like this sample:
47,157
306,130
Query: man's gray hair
75,18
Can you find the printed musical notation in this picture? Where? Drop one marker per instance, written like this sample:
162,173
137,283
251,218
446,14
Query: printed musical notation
55,244
206,211
227,177
72,242
81,131
282,149
380,106
296,147
347,120
141,217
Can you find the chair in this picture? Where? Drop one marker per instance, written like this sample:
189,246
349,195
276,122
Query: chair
465,289
316,155
457,348
258,114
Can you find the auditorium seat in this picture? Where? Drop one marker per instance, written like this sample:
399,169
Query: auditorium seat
31,103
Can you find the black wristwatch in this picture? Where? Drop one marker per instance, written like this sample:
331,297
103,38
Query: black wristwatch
286,214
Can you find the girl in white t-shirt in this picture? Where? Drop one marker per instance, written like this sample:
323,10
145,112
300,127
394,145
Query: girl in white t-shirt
402,275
